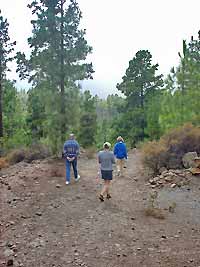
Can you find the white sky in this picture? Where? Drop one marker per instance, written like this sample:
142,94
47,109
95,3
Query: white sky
117,29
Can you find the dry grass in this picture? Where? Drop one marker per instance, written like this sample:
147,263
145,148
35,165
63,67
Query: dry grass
34,152
16,156
169,150
154,212
3,163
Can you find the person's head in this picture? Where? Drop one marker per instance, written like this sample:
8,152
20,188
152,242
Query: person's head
120,139
106,145
71,136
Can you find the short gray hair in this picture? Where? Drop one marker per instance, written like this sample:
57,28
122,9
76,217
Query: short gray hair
71,136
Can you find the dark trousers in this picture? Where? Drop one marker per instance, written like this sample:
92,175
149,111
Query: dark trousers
68,168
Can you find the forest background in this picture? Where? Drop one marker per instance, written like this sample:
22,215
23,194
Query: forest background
146,107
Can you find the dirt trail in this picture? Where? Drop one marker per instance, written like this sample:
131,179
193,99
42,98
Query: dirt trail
46,223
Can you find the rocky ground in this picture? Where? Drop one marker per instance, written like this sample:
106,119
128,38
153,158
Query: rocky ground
43,222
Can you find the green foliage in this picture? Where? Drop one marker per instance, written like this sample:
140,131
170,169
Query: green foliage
6,50
36,113
16,132
108,112
140,85
59,50
180,101
88,121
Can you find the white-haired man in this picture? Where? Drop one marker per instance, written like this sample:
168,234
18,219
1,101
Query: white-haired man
71,151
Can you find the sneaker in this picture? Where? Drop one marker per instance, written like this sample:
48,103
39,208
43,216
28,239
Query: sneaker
67,182
108,196
78,177
101,198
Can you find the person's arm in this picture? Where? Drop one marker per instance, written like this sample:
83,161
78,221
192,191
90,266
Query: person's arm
77,149
99,165
115,150
113,159
125,152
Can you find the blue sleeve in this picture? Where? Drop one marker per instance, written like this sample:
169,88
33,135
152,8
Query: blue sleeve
78,148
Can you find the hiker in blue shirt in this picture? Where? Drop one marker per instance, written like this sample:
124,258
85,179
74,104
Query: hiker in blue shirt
120,153
71,151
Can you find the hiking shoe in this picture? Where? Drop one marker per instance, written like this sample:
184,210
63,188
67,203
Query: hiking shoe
78,177
108,196
101,198
67,182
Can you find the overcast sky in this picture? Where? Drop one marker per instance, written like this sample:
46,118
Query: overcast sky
117,29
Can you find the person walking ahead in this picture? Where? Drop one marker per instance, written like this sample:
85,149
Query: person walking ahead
71,151
120,153
106,159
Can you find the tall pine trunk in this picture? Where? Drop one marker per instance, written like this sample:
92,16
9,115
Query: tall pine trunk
1,109
143,119
62,76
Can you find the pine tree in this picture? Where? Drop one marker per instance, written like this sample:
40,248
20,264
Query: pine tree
88,121
139,85
59,49
6,49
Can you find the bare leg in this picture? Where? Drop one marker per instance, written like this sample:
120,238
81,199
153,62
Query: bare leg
118,166
121,166
108,190
108,186
104,189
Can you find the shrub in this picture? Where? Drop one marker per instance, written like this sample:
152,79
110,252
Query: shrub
37,151
3,163
90,152
154,212
16,156
154,155
34,152
169,150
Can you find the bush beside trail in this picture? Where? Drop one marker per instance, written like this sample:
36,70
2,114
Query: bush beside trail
170,149
34,152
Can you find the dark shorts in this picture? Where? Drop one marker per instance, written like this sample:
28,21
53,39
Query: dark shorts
106,175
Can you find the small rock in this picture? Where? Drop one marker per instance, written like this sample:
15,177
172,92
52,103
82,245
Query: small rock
173,185
38,213
10,244
8,252
168,178
58,186
162,170
188,159
10,262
